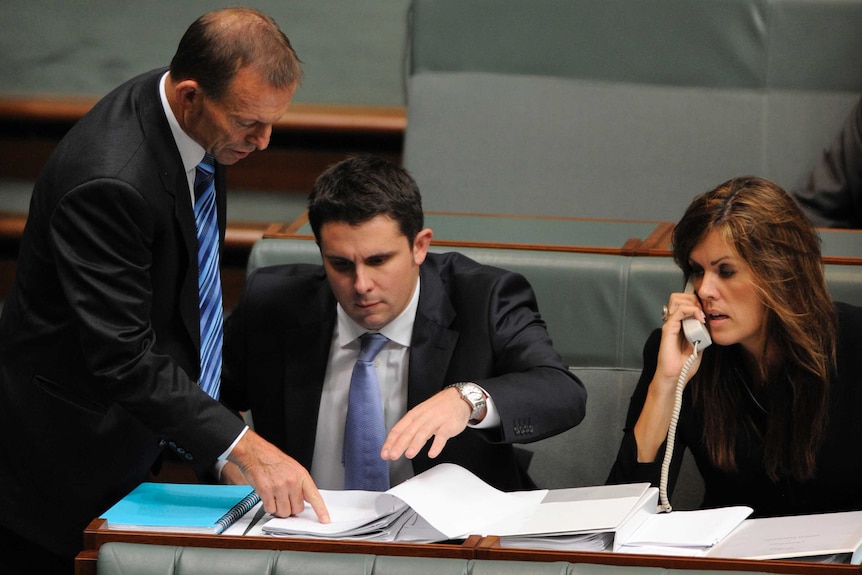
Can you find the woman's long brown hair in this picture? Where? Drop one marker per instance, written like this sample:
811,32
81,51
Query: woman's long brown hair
782,248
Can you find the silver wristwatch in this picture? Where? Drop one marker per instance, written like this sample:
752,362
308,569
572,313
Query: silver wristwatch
475,398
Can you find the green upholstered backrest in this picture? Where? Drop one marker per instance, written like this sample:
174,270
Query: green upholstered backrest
142,559
621,108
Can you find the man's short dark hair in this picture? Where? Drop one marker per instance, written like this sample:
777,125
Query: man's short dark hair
361,187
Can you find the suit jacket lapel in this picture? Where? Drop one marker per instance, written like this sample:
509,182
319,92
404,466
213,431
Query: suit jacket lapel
433,342
164,149
306,354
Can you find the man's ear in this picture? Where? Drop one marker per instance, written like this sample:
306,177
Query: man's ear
421,244
188,94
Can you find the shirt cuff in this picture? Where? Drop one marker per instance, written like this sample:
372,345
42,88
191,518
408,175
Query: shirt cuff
492,416
222,459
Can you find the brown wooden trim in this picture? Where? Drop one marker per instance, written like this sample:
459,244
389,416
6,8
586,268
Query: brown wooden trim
86,561
238,235
631,247
535,217
242,235
474,547
96,535
294,226
12,225
299,116
658,242
489,548
843,261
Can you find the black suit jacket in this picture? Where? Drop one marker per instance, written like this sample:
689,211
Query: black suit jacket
99,338
473,323
831,195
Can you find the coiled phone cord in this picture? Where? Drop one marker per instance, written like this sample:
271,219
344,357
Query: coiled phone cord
664,504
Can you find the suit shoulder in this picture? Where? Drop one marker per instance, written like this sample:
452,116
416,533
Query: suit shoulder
284,290
286,274
293,280
456,268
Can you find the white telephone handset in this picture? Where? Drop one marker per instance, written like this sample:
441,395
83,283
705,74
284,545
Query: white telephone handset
697,334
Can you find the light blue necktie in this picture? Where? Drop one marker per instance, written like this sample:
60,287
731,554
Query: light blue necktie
365,431
209,282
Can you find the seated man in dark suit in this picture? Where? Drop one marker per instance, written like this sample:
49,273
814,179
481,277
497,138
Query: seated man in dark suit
831,195
468,360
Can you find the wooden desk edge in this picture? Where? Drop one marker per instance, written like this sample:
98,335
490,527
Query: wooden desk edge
631,247
86,561
489,548
474,547
96,534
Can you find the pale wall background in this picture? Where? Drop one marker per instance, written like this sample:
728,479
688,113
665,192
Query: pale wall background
353,50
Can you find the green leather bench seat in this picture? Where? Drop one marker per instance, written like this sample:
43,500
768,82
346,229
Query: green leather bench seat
140,559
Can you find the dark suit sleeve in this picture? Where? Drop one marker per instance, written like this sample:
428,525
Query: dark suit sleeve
831,196
536,395
103,236
234,391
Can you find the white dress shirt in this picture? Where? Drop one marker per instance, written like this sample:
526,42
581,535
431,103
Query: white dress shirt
191,153
392,364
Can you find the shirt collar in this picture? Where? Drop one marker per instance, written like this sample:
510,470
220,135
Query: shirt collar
399,330
190,151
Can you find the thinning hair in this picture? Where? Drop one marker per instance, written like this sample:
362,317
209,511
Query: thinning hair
775,239
221,42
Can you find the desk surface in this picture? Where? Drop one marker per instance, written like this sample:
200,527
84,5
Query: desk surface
475,547
489,548
96,534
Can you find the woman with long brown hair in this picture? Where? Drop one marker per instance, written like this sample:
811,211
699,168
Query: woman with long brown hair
772,410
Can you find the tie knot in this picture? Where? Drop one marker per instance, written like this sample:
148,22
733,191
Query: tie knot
371,344
204,174
208,163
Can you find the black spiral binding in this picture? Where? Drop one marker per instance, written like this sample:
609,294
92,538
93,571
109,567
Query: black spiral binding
237,511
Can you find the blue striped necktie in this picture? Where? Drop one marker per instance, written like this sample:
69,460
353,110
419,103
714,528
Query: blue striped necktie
209,282
365,430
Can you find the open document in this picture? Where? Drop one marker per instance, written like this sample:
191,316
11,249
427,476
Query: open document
445,502
448,502
688,533
834,537
583,518
622,518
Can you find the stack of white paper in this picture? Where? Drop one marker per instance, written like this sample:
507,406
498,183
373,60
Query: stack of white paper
449,502
583,518
690,533
823,536
445,502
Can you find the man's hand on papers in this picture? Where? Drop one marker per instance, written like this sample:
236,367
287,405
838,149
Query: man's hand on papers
281,482
442,416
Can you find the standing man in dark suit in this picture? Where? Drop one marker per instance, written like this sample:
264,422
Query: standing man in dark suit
468,361
100,338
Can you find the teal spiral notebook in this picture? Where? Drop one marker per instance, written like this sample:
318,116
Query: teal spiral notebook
181,508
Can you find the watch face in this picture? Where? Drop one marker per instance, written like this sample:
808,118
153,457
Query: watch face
475,396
